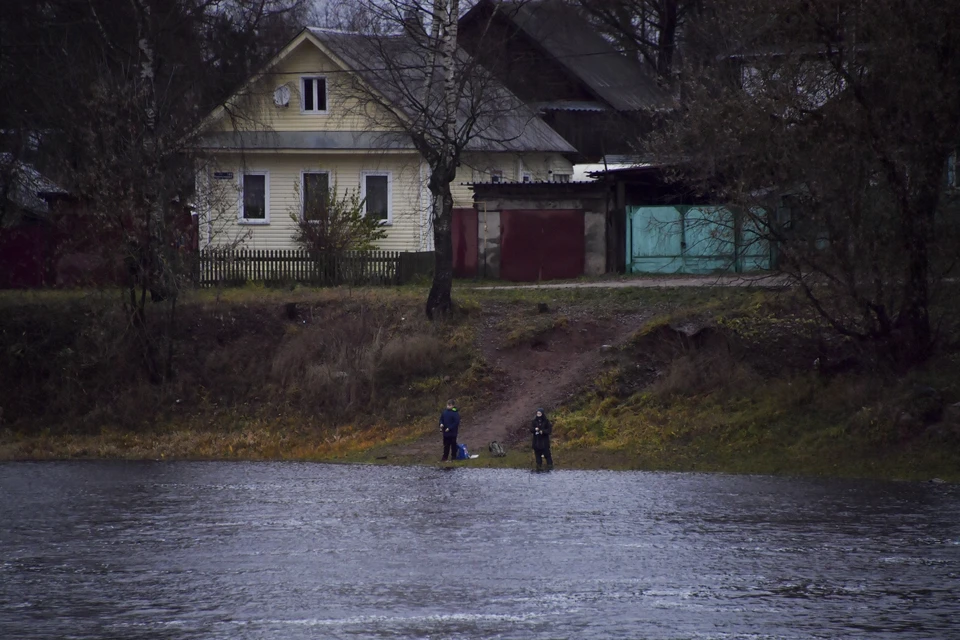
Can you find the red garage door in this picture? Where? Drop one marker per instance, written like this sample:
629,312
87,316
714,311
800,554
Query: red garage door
541,244
465,236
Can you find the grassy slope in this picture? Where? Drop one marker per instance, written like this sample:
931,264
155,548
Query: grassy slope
254,383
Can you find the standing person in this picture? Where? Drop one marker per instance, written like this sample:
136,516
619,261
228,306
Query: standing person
449,425
541,429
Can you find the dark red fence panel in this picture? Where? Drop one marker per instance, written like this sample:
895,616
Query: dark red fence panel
24,259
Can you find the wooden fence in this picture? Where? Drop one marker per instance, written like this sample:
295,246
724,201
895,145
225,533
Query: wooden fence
234,267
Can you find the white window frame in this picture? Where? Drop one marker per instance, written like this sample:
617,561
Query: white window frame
496,176
555,177
526,177
363,193
266,197
326,96
303,188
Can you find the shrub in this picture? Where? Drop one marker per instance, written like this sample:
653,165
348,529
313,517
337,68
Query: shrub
699,373
404,356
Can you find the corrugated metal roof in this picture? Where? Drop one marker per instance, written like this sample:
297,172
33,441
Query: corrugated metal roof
319,140
570,105
396,67
567,35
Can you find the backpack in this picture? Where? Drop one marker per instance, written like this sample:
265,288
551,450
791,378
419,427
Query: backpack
497,449
462,453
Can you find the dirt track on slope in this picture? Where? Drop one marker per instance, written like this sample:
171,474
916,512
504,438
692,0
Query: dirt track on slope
542,373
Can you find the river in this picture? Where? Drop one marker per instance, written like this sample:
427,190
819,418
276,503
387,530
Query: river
214,550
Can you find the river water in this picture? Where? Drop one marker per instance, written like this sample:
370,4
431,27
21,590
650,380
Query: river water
290,550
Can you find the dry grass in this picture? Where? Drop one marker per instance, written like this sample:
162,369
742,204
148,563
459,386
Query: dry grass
527,330
327,356
694,374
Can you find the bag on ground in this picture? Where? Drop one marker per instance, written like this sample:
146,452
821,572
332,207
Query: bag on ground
462,453
496,449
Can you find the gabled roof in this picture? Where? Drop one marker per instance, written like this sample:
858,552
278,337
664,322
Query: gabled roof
384,64
396,67
566,35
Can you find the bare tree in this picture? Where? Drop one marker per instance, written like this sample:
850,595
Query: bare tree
829,123
648,29
117,91
417,82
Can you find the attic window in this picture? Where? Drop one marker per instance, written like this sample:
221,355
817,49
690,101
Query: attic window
313,93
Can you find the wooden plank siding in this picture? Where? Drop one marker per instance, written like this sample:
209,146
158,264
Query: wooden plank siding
257,111
410,228
221,226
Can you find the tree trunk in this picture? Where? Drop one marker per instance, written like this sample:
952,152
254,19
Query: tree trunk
666,39
439,301
445,169
912,334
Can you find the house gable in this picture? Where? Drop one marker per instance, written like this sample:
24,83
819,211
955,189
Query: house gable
532,74
286,97
599,100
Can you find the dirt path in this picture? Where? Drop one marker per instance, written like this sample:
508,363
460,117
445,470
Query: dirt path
546,374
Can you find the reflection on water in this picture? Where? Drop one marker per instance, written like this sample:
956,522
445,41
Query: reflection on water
288,550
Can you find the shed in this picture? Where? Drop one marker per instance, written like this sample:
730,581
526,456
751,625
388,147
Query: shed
533,231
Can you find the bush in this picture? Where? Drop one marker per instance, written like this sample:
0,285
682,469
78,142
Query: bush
700,373
405,356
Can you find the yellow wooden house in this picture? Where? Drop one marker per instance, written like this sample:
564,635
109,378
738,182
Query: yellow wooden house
300,125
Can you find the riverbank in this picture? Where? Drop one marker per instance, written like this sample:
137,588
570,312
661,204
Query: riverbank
696,378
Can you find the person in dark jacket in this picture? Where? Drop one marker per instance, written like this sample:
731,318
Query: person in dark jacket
541,429
449,426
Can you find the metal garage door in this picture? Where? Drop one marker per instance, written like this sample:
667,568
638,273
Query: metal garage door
543,244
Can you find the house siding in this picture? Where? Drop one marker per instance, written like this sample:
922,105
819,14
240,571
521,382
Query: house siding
256,110
479,168
222,227
410,228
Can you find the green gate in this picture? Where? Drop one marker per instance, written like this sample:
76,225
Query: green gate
695,240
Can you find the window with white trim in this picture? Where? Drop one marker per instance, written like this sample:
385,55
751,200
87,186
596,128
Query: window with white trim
496,176
315,191
526,177
313,94
376,193
255,197
561,177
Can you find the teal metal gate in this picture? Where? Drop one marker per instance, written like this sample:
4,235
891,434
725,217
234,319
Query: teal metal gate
695,240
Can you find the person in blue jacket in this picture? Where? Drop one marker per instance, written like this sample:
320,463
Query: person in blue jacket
449,425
